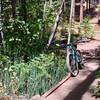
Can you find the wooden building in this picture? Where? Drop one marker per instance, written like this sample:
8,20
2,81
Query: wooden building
82,7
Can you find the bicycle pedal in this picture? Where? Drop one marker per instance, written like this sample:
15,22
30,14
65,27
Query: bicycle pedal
83,62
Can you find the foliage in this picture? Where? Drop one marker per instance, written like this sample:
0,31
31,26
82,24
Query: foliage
98,8
86,29
36,76
15,40
98,74
26,26
95,90
24,38
4,78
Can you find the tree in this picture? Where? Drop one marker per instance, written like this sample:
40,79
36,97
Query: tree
56,23
23,11
13,3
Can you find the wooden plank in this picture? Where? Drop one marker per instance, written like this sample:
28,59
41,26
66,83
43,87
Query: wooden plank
45,95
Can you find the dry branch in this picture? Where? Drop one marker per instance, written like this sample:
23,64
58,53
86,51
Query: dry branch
56,23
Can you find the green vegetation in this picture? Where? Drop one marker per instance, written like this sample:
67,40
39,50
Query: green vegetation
34,77
95,90
25,67
25,26
86,28
98,74
98,8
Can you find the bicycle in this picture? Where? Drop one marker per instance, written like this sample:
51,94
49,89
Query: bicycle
74,59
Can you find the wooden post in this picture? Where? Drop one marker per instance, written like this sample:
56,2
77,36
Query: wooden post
13,4
70,20
81,11
89,4
73,16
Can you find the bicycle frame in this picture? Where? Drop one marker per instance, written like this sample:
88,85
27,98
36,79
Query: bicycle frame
73,51
71,47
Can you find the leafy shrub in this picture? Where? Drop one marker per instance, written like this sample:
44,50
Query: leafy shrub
95,90
86,28
98,8
4,77
98,74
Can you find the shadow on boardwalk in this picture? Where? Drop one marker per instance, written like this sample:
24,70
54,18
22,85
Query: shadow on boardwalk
81,89
78,92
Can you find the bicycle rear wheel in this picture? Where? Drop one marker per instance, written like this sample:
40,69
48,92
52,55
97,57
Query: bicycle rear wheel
72,64
80,59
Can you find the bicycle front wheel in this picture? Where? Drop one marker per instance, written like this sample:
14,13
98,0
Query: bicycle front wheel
72,64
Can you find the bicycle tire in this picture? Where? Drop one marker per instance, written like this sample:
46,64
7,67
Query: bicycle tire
72,64
80,59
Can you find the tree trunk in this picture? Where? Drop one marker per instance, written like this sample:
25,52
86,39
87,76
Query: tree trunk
56,23
51,3
1,23
13,3
70,20
44,11
23,10
89,4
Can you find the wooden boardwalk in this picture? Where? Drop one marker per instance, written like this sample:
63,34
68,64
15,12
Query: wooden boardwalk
77,88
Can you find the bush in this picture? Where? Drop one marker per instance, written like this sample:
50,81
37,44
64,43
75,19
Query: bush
86,29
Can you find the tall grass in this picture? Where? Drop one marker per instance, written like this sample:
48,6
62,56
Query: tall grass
35,77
